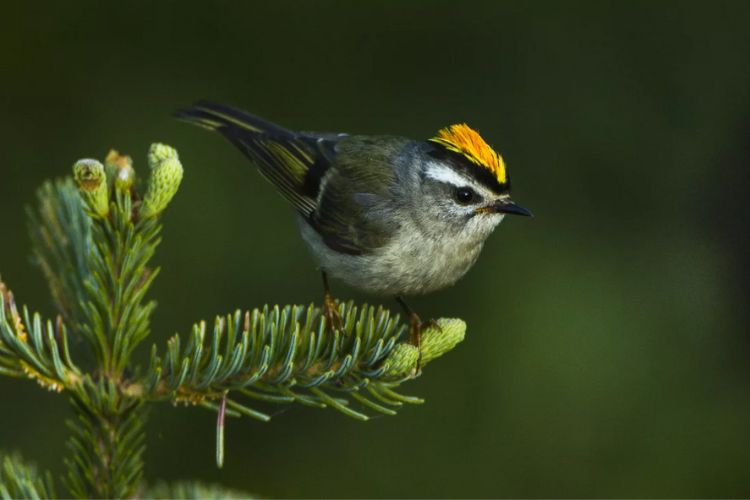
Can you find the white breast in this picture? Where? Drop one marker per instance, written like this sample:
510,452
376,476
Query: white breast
410,264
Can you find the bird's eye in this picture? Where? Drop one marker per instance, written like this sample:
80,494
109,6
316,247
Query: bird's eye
465,195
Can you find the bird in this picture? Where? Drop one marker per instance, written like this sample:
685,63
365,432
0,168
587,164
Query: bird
385,214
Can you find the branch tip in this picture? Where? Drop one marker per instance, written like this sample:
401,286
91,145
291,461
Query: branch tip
92,184
166,176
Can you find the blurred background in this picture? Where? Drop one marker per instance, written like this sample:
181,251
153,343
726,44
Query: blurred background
608,344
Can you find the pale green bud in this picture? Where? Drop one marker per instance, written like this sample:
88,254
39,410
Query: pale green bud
402,360
124,177
92,184
166,175
119,170
436,340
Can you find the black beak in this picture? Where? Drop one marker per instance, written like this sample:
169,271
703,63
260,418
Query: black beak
508,207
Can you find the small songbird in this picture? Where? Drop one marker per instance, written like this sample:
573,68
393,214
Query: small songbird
384,214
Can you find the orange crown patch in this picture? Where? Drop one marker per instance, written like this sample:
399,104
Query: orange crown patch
462,139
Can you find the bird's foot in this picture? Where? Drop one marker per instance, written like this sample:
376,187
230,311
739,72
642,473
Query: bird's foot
331,313
416,326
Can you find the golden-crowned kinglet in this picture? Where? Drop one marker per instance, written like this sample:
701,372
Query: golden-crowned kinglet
385,214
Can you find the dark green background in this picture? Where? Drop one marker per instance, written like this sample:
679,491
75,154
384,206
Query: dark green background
608,348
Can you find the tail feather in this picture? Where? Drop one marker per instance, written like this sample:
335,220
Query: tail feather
280,154
215,116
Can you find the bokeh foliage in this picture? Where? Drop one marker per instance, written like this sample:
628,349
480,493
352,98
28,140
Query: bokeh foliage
608,347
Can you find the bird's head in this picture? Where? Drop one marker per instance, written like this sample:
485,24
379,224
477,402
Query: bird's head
466,180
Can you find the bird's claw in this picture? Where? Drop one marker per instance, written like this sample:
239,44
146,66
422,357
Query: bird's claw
416,326
331,313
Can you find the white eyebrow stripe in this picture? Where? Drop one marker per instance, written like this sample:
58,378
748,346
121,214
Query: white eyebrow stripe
446,174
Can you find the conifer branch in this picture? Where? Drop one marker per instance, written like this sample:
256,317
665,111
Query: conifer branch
94,239
61,240
33,348
106,442
193,490
289,354
19,479
115,318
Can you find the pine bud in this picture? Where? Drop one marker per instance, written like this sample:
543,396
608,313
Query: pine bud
401,361
436,341
92,184
166,175
119,169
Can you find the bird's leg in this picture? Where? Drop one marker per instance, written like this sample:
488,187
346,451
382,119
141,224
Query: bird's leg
330,308
415,329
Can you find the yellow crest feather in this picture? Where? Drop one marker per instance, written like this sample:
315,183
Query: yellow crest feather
462,139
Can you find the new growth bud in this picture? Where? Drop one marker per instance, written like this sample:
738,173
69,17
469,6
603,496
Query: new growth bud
92,184
120,170
402,360
166,175
436,341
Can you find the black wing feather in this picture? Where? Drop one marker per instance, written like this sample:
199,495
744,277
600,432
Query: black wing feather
294,163
297,163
